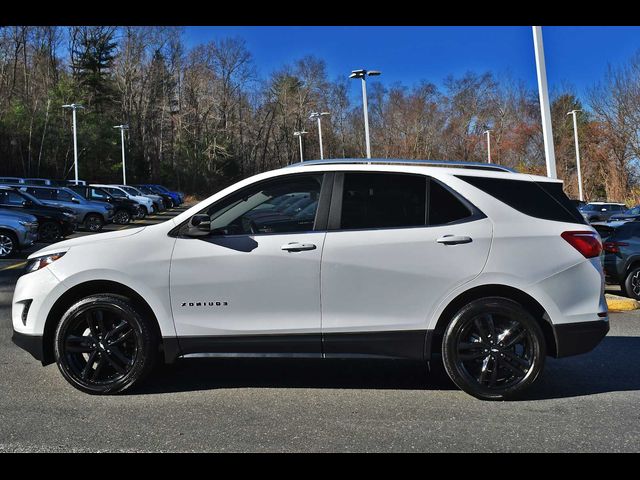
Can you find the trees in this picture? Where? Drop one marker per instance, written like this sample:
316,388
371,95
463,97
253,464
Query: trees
202,117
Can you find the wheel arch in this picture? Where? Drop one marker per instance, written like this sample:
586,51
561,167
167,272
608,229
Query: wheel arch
85,289
434,342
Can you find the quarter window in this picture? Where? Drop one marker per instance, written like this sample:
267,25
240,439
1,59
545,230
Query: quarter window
444,206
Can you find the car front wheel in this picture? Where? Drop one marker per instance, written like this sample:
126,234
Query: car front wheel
8,244
49,232
122,217
93,222
493,349
104,346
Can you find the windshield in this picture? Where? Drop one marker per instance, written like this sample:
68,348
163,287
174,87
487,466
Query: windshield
633,211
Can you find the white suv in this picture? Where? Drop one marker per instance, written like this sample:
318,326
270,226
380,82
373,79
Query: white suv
489,270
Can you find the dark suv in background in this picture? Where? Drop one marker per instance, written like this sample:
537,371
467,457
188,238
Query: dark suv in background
601,211
54,223
125,209
621,258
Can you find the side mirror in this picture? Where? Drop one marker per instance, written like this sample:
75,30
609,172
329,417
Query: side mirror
75,200
199,226
27,203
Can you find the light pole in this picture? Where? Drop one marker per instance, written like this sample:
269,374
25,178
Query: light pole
362,74
74,107
575,132
124,170
488,132
299,135
547,132
318,116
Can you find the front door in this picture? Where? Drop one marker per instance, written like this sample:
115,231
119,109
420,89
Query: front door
256,274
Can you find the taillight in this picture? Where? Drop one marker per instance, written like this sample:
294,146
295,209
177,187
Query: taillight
613,247
587,243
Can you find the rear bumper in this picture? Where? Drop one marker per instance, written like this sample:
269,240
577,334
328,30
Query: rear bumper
30,343
581,337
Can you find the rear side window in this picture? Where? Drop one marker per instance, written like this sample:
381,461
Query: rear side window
42,193
544,200
444,206
381,200
627,231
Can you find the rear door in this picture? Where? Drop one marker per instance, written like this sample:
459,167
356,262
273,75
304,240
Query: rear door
397,245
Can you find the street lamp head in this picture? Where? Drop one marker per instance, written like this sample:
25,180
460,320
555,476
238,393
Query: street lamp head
122,127
73,106
325,113
314,115
298,134
362,73
573,111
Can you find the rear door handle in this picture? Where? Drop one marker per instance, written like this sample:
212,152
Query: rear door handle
454,239
298,247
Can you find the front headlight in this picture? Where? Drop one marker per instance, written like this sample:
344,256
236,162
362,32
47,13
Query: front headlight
37,263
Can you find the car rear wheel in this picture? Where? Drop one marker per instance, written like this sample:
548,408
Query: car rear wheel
8,244
493,349
49,232
104,346
122,217
631,284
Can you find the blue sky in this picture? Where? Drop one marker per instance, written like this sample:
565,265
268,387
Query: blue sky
576,56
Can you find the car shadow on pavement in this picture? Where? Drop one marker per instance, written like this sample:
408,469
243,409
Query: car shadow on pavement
612,366
212,373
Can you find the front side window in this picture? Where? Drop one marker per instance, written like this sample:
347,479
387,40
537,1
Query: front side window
277,206
381,200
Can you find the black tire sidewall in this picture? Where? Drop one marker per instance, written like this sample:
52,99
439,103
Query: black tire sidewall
145,333
124,213
498,305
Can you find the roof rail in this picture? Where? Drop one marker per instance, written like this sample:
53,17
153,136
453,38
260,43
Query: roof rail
397,161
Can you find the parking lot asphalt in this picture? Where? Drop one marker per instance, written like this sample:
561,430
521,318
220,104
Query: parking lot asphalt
585,403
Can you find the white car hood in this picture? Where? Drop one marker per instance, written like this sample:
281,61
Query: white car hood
98,237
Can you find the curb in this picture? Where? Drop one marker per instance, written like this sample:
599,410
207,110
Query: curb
616,303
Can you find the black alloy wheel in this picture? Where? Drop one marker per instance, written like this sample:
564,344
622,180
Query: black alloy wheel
122,217
493,349
49,232
631,284
93,222
8,244
103,346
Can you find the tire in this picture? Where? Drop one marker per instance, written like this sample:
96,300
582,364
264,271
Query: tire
93,222
94,359
49,232
631,284
473,368
122,217
8,244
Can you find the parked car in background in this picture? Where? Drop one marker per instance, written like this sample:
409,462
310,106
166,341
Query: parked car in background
55,222
91,215
621,259
125,210
605,229
158,203
146,204
39,181
166,198
177,197
629,215
487,271
11,180
17,231
601,211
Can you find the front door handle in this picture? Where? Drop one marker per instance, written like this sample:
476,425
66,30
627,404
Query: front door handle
298,247
454,239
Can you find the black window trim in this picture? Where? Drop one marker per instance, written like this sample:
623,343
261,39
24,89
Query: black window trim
335,212
322,212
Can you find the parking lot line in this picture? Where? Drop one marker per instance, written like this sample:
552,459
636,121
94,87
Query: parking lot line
15,265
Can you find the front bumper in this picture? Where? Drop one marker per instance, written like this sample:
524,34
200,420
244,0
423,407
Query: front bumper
30,343
581,337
